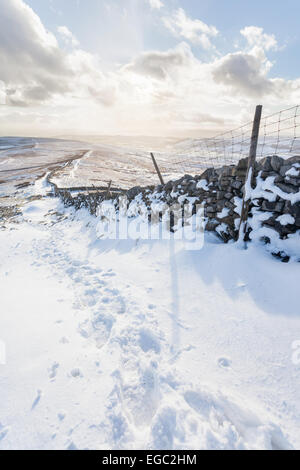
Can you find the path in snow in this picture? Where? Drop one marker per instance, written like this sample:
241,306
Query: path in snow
142,344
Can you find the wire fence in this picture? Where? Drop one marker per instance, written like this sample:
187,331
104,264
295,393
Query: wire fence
279,135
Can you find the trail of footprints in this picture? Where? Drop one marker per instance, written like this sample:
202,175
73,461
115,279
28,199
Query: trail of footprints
124,326
143,378
94,290
102,304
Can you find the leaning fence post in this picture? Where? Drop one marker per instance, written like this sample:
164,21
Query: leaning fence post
108,193
157,169
250,174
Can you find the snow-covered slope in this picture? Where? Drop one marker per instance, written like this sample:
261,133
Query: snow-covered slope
142,344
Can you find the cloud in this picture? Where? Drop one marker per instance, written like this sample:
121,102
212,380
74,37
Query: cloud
156,4
195,31
198,118
244,73
256,37
29,54
67,89
160,65
106,96
68,36
34,68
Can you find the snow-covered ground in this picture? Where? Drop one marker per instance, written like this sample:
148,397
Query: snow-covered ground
77,164
142,344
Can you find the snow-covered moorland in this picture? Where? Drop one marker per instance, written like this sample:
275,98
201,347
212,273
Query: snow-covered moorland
138,344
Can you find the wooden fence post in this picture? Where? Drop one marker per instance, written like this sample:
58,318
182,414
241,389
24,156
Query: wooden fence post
250,174
108,193
157,169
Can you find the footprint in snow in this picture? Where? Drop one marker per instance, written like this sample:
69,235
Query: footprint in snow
99,328
88,270
201,402
102,326
72,446
163,429
76,373
71,271
112,291
84,329
224,362
139,394
121,309
148,341
3,431
78,263
116,302
109,274
53,370
89,297
64,340
37,399
96,283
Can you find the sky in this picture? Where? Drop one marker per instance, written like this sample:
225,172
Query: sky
144,67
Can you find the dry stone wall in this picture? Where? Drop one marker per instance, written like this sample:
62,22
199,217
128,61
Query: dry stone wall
275,200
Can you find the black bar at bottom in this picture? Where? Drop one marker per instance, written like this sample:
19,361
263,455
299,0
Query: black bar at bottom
125,459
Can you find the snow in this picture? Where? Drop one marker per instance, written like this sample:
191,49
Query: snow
238,202
224,213
293,171
221,228
202,184
248,188
268,190
286,219
143,344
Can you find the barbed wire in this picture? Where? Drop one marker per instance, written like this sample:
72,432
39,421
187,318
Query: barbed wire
279,135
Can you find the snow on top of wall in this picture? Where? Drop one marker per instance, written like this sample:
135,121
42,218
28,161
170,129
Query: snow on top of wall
286,219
